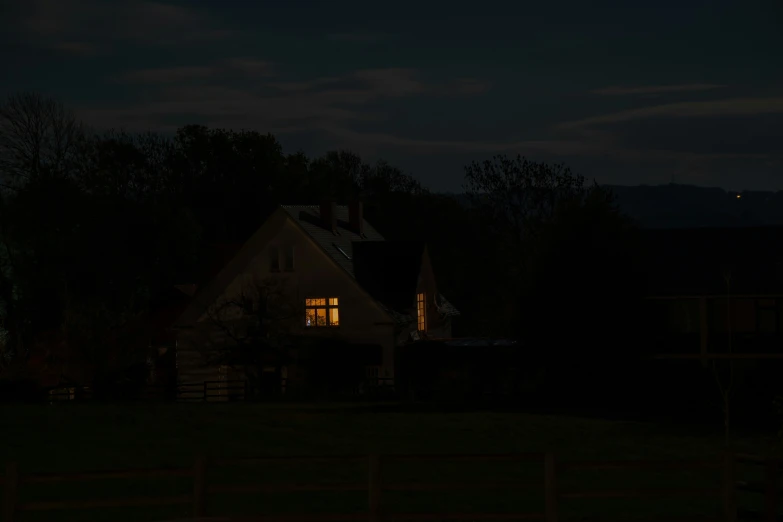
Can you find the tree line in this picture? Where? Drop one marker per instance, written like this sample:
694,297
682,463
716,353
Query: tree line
97,225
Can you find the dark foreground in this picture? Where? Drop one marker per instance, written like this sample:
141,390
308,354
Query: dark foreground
78,437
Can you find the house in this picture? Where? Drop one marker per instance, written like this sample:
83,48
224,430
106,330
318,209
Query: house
345,285
715,289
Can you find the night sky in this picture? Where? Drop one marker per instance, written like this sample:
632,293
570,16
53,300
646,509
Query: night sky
651,92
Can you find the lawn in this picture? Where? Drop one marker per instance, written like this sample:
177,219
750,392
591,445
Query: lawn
79,437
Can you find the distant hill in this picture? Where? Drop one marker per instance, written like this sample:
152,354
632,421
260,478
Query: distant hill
688,206
685,206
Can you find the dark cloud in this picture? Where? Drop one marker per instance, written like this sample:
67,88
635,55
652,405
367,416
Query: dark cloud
265,99
758,135
694,109
426,88
60,25
163,75
363,37
656,89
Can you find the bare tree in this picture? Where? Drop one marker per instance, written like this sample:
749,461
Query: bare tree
522,193
132,166
39,137
252,329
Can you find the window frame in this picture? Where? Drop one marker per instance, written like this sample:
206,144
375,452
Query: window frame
329,304
421,311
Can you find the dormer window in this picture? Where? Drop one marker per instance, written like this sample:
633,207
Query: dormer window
421,311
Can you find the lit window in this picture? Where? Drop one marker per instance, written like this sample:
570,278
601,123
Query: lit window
274,259
421,312
289,258
322,312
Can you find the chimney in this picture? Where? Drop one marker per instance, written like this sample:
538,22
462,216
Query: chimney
329,215
356,216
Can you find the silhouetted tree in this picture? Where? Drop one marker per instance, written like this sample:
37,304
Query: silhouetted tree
568,280
582,288
39,138
514,199
251,330
137,167
523,196
228,179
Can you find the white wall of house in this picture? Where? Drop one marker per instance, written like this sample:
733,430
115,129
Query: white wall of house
314,275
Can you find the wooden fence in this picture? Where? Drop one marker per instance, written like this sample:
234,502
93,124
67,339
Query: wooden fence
375,486
230,390
198,392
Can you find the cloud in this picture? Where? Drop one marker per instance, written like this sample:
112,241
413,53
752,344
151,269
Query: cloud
730,107
655,89
603,147
249,67
470,86
335,105
60,25
307,85
392,82
352,110
748,136
365,37
279,104
77,48
166,74
359,140
270,103
252,66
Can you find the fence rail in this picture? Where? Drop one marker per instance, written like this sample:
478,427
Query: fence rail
201,391
375,486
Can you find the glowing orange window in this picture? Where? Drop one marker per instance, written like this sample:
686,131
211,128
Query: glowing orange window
322,311
421,313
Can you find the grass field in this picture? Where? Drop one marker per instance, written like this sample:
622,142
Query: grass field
79,437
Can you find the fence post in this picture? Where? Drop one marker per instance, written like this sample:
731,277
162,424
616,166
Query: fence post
375,488
11,491
199,488
771,478
550,487
729,488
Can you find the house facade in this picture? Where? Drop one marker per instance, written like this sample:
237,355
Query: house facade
339,282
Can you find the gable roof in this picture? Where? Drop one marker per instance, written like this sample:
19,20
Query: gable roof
387,270
340,247
693,261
